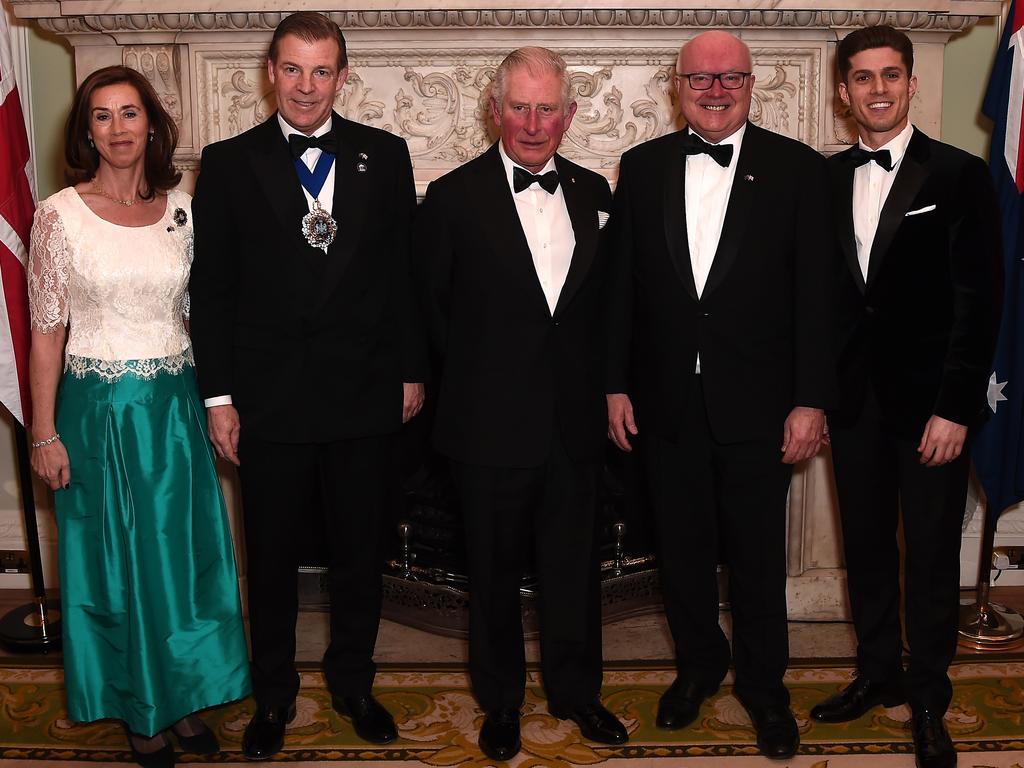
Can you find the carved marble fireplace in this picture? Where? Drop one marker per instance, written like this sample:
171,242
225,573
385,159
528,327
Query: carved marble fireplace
421,71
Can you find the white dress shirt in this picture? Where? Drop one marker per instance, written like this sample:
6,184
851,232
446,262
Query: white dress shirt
326,198
871,185
310,158
708,186
548,229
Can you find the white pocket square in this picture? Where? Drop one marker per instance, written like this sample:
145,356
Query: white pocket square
920,210
602,219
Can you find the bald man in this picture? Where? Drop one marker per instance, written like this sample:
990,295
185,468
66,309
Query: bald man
722,275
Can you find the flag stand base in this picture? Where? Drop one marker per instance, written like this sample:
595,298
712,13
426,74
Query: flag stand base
32,628
987,626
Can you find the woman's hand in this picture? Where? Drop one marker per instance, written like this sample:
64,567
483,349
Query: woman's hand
50,462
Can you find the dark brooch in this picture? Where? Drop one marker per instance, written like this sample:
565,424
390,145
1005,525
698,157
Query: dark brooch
180,217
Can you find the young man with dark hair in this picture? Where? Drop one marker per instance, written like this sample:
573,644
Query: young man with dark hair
920,303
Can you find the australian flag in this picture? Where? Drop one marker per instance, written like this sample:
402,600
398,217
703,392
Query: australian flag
998,457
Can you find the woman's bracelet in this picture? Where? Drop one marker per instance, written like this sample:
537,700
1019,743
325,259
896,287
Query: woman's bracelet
47,441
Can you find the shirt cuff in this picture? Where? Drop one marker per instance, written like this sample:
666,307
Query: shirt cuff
210,402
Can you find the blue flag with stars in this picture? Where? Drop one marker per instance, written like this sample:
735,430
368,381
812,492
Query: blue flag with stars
997,449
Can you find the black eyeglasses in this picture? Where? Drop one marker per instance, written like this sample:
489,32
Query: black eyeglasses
702,81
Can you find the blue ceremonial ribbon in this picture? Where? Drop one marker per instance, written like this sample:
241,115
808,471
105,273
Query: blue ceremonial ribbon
313,181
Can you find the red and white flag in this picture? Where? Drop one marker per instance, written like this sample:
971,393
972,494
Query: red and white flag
16,208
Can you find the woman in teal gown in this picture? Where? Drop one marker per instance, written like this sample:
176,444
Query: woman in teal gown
152,624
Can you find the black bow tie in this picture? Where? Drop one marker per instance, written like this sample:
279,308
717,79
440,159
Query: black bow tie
859,156
695,145
299,143
522,178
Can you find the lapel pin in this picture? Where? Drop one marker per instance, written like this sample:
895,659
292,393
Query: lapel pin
361,167
748,177
363,156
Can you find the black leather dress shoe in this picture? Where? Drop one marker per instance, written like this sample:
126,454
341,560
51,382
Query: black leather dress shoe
856,699
371,721
499,735
932,746
264,735
777,734
595,722
680,704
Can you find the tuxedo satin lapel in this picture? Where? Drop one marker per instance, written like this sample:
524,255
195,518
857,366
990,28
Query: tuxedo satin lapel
352,191
909,179
844,221
737,215
497,208
584,228
674,216
273,165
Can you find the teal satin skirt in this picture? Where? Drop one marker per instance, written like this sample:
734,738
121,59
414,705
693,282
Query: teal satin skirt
152,622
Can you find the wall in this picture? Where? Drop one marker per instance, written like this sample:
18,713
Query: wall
967,61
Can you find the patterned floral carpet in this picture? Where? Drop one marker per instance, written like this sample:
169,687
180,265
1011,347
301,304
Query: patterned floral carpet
438,722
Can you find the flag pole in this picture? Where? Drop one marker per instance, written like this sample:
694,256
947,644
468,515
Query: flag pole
33,627
985,625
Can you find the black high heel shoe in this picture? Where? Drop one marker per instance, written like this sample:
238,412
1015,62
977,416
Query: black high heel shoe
159,758
202,742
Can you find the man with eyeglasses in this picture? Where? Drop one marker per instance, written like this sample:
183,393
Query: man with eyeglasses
720,302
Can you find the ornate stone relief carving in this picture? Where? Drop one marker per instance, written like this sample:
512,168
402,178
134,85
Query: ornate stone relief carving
437,100
161,66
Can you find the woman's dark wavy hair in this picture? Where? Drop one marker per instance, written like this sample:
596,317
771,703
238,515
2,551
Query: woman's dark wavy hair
82,159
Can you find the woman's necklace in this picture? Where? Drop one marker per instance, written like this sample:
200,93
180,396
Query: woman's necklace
100,190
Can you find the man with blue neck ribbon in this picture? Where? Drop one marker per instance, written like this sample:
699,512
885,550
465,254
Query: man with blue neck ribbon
304,329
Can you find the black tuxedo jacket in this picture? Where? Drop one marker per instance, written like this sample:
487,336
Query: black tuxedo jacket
510,371
312,347
922,327
765,320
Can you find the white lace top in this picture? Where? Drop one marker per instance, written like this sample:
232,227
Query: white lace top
122,289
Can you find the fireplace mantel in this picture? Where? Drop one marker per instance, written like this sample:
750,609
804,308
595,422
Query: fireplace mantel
421,72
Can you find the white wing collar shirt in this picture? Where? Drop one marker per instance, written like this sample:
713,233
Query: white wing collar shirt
548,229
871,185
326,198
708,186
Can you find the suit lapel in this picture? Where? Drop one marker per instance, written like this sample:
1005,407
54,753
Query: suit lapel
353,174
844,219
583,216
909,179
498,209
741,203
674,217
273,165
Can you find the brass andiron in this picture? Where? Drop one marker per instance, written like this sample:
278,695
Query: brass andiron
34,627
405,539
619,529
984,625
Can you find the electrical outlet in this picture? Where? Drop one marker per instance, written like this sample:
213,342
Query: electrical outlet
13,561
1007,558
